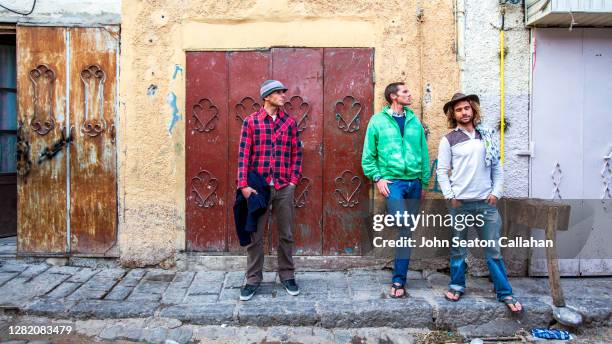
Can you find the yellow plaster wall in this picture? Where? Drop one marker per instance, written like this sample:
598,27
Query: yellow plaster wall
155,36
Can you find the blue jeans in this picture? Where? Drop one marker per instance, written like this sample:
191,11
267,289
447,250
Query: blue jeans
404,196
490,230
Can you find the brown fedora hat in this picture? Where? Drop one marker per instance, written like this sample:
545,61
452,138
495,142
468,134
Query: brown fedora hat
457,97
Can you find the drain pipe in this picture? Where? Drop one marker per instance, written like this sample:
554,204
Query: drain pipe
460,34
502,93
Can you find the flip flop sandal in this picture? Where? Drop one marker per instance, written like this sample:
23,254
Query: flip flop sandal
511,301
396,287
455,293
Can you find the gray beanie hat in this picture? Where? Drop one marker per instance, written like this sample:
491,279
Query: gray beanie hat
270,86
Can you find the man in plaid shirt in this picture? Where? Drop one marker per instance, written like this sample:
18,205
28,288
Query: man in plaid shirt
270,146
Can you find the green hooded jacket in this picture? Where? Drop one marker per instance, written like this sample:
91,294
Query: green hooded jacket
388,155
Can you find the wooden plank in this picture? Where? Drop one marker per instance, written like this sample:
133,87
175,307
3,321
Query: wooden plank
301,70
41,89
206,139
93,155
247,71
554,279
348,97
533,212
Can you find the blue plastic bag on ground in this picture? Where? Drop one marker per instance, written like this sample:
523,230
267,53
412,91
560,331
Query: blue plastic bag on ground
550,334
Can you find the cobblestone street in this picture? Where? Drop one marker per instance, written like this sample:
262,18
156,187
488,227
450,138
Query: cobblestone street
351,299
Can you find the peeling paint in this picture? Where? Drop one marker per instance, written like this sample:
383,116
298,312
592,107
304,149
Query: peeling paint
177,69
151,90
427,96
42,203
92,155
171,99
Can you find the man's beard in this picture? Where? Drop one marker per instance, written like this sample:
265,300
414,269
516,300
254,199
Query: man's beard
405,104
462,121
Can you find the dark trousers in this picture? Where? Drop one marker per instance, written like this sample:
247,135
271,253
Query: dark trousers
281,208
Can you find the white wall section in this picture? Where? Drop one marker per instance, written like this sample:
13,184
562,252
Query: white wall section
480,74
63,12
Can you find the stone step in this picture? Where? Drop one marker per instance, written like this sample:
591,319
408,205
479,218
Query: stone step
329,299
470,314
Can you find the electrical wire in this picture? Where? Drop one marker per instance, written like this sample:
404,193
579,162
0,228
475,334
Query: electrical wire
21,13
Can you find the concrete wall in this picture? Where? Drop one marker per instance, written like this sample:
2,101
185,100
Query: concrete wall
480,74
414,41
63,12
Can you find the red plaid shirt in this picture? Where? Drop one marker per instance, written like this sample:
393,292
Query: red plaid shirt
271,148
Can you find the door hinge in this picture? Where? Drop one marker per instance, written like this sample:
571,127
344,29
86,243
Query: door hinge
530,152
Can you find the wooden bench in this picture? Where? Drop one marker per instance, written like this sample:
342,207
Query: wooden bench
539,213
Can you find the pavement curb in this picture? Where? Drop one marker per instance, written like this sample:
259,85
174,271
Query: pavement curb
469,313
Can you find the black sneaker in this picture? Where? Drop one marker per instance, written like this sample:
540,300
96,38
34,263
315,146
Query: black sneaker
291,287
247,292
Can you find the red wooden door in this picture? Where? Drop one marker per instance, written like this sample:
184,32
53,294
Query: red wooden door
247,70
329,214
348,98
207,152
301,70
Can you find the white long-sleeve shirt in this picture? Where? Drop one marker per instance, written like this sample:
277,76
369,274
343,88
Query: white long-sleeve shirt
463,154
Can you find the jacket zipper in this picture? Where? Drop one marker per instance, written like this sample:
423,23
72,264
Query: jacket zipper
403,140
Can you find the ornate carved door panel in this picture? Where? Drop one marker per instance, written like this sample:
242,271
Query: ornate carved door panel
93,158
206,138
67,89
247,70
302,72
332,192
348,96
41,111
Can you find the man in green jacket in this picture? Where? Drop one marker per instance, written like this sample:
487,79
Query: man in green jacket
395,157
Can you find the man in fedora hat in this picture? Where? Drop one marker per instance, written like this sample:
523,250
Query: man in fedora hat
395,157
471,153
270,146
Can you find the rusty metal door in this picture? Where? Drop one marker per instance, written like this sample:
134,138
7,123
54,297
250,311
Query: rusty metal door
66,90
41,99
229,82
93,158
